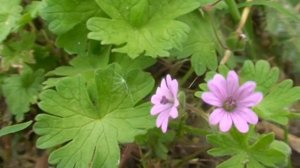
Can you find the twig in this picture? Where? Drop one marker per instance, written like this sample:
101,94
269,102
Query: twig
226,56
244,17
239,32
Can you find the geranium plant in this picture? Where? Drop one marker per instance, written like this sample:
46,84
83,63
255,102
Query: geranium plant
149,83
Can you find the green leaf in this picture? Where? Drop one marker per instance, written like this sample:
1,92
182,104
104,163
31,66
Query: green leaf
75,40
234,162
67,19
85,65
63,15
128,63
18,51
14,128
264,151
264,76
88,121
9,15
142,26
275,104
157,142
278,97
31,12
20,91
200,43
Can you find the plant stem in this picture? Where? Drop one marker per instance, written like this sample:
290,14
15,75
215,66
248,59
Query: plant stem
239,30
226,56
233,9
186,76
245,14
198,111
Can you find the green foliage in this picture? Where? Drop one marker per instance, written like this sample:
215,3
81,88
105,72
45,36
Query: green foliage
86,65
90,120
18,51
277,97
142,26
157,142
264,76
63,15
14,128
30,12
200,43
67,19
9,16
20,91
265,151
275,105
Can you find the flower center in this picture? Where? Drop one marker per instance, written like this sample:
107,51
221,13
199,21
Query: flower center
164,100
229,105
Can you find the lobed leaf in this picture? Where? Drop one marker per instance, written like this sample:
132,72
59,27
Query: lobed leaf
261,73
142,27
90,120
20,91
200,43
264,152
275,105
67,19
10,13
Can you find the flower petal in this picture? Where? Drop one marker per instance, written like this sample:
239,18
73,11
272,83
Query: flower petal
239,122
225,122
211,99
248,115
164,90
155,99
164,125
156,109
246,89
173,112
218,86
232,83
216,116
161,118
251,100
172,85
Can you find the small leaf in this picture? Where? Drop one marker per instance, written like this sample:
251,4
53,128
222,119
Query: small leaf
17,51
260,151
88,121
14,128
142,26
20,91
264,76
86,65
63,15
31,12
9,16
67,19
200,43
274,105
129,64
75,40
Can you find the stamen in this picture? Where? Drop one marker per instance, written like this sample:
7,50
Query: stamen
229,105
164,100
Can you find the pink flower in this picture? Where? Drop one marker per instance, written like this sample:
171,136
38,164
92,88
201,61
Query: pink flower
233,102
165,102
